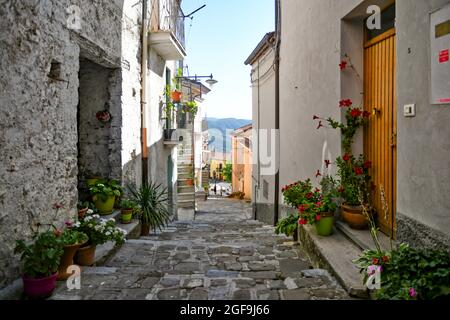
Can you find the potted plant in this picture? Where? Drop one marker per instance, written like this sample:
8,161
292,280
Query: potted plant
71,241
104,196
355,183
128,208
41,260
83,209
151,200
288,226
318,210
99,231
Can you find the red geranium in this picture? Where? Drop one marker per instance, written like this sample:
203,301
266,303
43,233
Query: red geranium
302,222
345,103
346,157
318,217
302,208
366,114
375,261
359,171
341,190
343,65
368,164
327,163
385,259
356,113
309,195
318,174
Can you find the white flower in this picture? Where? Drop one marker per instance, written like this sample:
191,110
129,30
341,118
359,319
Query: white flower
112,220
88,218
90,225
76,224
96,216
90,211
108,233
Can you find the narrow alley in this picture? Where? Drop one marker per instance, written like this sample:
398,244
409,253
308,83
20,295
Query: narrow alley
222,254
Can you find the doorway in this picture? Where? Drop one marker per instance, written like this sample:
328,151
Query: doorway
381,131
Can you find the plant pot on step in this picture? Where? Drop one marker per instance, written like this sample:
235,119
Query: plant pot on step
85,256
354,217
39,288
82,213
67,261
324,226
105,206
145,229
126,215
91,181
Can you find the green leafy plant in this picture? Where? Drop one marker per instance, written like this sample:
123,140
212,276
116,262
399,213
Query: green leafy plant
191,107
41,258
152,201
408,273
106,188
288,225
295,194
354,179
228,172
128,204
71,237
100,231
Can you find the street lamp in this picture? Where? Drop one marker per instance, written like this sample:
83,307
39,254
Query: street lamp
211,81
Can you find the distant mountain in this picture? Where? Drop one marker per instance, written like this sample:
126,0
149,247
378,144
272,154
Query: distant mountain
222,142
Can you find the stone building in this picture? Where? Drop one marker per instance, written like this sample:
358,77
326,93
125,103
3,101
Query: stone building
62,63
399,73
242,162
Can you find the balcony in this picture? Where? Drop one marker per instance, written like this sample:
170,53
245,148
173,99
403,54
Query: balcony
167,29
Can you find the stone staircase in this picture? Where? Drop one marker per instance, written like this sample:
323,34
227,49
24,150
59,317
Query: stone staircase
186,189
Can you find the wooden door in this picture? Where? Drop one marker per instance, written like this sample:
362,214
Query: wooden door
380,134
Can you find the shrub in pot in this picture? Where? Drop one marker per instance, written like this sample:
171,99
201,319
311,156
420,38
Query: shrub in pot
104,195
354,190
318,210
99,231
152,201
40,260
128,207
71,241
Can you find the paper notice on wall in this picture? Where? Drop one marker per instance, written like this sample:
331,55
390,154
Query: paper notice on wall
440,56
443,56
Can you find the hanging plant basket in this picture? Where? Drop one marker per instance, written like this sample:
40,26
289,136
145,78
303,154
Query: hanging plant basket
176,96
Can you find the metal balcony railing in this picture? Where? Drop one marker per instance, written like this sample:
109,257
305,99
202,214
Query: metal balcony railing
167,15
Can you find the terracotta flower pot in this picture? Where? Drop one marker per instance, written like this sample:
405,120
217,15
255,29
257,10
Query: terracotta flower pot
85,256
67,261
126,215
354,217
39,288
176,96
145,229
82,213
324,226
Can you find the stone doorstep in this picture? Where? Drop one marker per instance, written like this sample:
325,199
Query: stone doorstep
335,253
362,238
102,253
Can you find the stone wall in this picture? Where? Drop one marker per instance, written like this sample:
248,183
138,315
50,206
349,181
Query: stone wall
38,112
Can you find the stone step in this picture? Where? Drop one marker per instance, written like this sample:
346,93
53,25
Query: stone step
336,254
186,189
182,182
185,169
186,204
186,196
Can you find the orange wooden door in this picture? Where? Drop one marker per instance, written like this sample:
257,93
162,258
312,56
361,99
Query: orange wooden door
381,132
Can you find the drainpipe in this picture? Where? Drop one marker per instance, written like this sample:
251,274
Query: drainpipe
277,102
144,56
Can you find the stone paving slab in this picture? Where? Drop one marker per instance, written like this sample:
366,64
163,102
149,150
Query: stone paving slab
221,255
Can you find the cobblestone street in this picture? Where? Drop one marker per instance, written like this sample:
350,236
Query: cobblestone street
222,254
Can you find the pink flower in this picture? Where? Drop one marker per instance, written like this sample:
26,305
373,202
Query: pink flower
68,223
412,293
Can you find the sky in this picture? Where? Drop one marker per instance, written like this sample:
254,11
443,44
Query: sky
219,39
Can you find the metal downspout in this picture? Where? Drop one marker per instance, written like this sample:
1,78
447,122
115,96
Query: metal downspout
277,104
144,57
